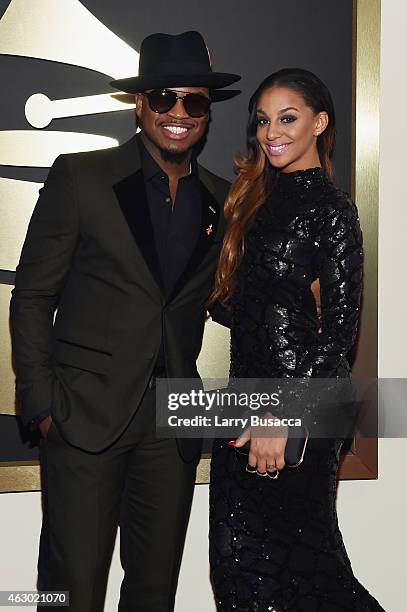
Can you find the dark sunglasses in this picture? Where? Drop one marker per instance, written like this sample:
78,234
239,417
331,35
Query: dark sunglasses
162,100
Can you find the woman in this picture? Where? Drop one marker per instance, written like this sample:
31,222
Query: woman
275,543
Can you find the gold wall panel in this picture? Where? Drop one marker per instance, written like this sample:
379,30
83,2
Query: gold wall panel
366,172
213,360
19,476
17,200
7,385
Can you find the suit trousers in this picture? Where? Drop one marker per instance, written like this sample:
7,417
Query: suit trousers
141,483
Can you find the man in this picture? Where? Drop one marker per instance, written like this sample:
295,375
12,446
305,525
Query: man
123,243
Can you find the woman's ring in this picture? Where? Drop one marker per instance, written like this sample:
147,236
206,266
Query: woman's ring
262,474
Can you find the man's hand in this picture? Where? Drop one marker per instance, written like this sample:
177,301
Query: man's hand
266,451
44,426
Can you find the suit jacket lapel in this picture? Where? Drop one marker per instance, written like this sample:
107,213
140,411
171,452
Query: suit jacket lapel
126,180
132,198
207,233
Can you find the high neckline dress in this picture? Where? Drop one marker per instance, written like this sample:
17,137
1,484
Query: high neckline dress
275,545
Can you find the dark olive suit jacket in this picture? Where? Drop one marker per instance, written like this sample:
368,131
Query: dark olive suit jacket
89,256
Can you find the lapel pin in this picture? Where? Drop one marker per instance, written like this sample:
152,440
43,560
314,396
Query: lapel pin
209,229
212,209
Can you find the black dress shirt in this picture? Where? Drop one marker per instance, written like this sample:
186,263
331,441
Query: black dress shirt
175,224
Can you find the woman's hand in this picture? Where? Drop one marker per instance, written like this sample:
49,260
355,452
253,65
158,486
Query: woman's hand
266,450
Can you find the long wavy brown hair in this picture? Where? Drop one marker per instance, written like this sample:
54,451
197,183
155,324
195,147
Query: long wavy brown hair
256,177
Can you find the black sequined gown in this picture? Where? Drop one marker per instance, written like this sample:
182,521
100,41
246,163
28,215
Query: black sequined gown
276,545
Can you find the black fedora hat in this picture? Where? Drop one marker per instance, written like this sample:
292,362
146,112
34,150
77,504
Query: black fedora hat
180,60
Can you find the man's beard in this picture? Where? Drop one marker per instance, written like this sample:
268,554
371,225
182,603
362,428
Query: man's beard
172,156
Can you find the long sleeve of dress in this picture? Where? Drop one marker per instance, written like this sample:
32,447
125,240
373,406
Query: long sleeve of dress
339,269
307,229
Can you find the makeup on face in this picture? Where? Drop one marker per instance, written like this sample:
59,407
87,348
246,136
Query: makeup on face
286,129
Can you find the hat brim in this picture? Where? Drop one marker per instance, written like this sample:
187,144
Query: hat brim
220,95
212,80
217,95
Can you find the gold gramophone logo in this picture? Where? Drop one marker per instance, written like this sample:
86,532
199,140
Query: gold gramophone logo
66,32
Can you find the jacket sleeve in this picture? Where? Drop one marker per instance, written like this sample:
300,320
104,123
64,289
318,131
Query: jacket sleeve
340,269
40,277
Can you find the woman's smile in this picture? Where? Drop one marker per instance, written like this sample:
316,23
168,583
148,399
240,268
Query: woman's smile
277,149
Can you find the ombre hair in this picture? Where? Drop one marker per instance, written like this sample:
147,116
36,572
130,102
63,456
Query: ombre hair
256,176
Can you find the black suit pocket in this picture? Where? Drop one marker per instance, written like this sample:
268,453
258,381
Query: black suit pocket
82,357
